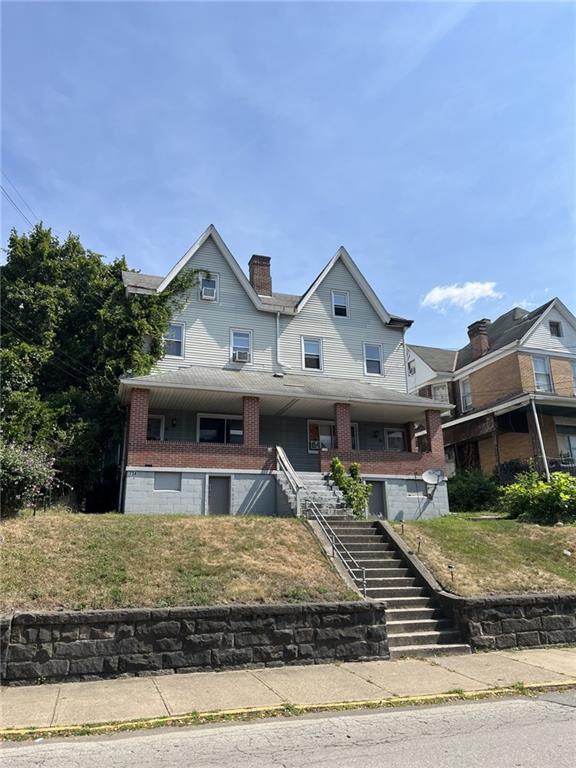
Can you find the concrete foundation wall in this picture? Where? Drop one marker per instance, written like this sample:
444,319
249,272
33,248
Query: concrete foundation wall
250,494
402,503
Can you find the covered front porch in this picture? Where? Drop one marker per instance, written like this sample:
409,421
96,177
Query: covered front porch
191,429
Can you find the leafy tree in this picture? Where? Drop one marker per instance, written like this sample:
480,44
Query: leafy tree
69,332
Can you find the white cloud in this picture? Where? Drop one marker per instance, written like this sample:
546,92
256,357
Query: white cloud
463,296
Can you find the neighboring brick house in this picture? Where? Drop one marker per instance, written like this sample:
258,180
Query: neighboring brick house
513,390
247,369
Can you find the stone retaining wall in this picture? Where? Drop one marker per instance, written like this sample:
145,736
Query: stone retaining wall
518,621
44,647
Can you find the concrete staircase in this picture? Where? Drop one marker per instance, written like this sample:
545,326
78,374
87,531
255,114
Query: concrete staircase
327,497
415,621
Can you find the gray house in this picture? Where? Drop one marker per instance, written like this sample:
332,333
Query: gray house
255,384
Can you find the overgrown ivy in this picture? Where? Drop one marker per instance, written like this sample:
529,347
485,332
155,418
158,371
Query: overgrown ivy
356,493
69,332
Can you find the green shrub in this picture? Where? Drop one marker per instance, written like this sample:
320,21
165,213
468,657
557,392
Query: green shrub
26,475
533,500
470,491
356,493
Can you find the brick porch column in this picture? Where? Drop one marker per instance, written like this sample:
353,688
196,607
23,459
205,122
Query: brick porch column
343,427
251,406
435,436
138,418
411,442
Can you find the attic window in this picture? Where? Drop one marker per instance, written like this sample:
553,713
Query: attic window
555,328
340,303
411,368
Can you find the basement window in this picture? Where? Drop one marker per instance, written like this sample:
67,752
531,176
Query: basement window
167,481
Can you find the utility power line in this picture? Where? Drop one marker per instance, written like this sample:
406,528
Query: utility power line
7,196
14,187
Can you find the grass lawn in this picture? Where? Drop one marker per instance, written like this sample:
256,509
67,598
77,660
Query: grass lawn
101,561
495,556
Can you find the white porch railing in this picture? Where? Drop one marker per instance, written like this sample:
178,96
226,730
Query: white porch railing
283,465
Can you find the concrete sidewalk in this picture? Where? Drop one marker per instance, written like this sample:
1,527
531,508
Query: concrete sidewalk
136,698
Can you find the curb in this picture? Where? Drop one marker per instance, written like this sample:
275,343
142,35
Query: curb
279,710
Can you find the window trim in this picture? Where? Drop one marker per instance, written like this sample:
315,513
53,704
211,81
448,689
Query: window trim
320,341
250,333
347,304
182,342
162,418
573,364
547,373
381,360
209,276
167,490
386,430
558,323
225,416
465,408
444,385
354,427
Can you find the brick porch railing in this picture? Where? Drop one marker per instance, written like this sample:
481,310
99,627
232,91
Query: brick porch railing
384,462
153,453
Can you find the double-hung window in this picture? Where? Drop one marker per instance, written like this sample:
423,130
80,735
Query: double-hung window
373,359
155,427
312,353
440,392
174,340
542,377
555,328
340,303
465,395
214,428
241,346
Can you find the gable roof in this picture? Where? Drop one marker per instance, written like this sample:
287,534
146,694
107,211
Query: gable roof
513,326
510,327
286,303
438,359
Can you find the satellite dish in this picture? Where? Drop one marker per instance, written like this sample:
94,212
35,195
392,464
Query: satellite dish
433,476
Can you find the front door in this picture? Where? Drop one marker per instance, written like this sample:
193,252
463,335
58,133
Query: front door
218,495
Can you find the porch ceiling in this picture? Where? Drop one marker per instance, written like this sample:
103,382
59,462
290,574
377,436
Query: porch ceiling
291,394
229,402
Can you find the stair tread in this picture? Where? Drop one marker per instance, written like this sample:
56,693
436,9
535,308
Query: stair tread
399,649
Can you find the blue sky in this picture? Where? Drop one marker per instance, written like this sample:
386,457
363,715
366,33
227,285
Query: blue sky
436,141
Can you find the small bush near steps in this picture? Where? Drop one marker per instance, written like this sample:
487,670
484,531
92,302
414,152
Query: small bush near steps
356,493
533,500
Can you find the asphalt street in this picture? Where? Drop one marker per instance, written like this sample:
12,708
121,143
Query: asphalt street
513,733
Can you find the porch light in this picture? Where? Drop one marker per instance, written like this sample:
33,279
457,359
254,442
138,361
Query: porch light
173,422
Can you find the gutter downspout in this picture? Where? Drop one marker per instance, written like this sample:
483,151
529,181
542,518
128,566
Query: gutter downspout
278,361
405,358
123,467
540,440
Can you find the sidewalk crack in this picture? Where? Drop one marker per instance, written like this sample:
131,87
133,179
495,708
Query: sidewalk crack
270,688
53,718
161,696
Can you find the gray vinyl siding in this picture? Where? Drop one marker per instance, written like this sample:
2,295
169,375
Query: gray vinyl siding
292,435
541,338
343,337
207,328
208,324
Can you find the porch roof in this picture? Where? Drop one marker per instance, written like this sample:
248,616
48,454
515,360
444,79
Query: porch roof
280,393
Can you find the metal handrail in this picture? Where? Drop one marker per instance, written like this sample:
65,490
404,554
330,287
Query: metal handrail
338,547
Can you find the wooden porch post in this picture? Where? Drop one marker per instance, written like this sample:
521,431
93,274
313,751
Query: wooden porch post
251,411
343,427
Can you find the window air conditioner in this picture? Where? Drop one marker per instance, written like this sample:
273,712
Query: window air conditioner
241,356
208,294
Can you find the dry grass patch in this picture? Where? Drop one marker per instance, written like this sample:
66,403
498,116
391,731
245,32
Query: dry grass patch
495,556
104,561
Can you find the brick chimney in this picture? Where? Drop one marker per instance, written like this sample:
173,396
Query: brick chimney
260,276
478,335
